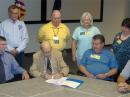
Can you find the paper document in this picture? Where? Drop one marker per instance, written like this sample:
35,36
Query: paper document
73,83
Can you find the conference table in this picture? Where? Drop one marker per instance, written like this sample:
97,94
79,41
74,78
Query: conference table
37,87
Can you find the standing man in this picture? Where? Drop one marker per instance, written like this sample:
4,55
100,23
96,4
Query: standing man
55,32
16,34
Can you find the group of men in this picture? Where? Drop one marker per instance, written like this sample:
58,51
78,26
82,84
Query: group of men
48,62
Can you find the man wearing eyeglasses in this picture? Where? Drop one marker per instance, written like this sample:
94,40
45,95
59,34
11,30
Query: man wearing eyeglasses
55,32
48,63
8,65
16,34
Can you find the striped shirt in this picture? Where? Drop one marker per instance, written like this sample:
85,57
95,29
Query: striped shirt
11,66
15,33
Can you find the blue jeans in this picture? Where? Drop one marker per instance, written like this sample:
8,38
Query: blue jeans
20,58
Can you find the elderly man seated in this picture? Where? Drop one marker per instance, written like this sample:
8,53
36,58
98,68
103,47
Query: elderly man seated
48,63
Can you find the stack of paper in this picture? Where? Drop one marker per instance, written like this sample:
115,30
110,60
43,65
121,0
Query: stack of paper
73,83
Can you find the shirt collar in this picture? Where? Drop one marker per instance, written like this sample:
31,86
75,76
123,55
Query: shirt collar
42,55
10,20
52,26
2,53
86,28
93,51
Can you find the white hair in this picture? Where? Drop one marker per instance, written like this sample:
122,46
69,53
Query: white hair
84,15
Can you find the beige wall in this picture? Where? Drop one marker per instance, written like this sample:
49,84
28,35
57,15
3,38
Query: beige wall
114,12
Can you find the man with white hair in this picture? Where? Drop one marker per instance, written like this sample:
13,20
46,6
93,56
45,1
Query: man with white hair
48,63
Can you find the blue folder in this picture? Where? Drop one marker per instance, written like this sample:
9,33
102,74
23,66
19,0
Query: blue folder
76,80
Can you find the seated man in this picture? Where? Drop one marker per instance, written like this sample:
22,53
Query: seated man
48,63
8,65
121,81
98,62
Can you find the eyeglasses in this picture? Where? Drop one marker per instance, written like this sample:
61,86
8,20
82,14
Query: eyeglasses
57,18
48,52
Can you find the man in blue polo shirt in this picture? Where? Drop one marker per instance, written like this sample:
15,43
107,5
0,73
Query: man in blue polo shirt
98,62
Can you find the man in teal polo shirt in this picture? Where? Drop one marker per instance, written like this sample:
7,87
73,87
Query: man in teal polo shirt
98,62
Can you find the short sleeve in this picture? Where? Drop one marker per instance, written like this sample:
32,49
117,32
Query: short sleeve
68,33
97,31
41,32
75,34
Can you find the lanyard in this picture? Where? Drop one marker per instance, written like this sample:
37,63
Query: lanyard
55,32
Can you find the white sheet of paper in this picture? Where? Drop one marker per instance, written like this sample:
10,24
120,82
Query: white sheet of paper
71,84
57,81
63,81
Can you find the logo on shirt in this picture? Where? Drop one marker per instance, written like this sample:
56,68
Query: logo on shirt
88,33
82,33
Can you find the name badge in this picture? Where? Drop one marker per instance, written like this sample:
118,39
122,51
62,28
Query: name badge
88,33
20,27
82,33
119,41
95,56
56,39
